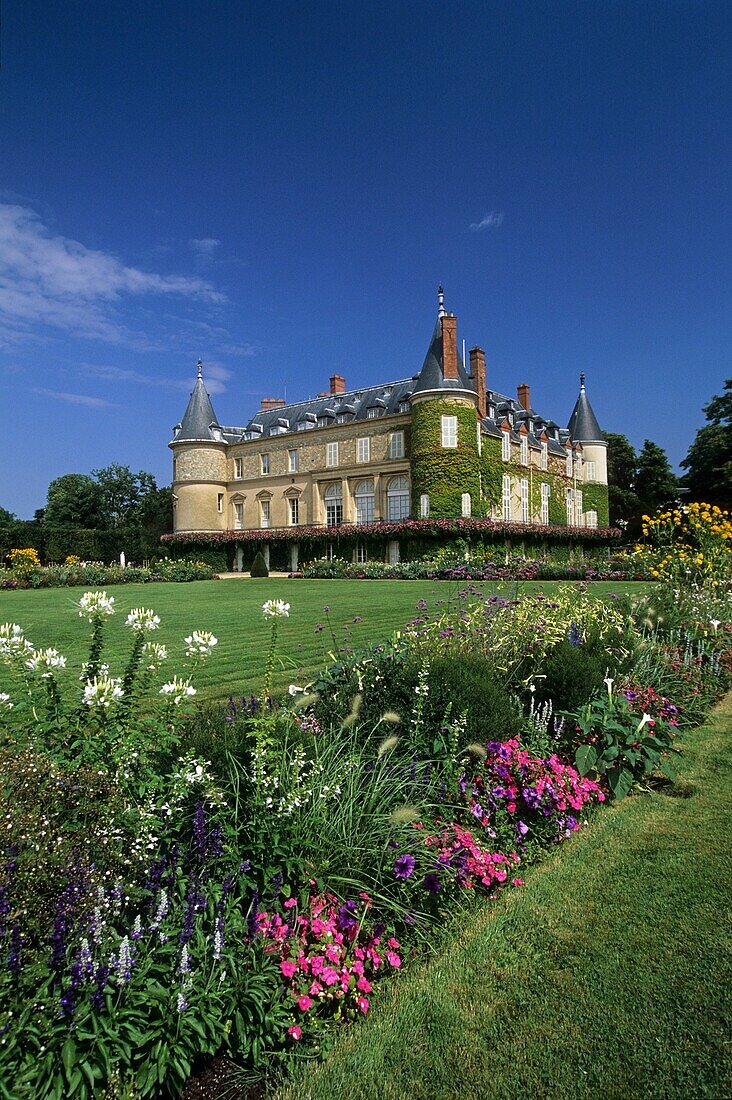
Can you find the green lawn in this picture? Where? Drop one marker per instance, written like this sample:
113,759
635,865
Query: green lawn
608,974
232,609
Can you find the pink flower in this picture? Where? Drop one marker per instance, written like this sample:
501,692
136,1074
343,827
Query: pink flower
517,882
329,976
364,985
315,989
393,959
294,1032
290,903
288,968
304,1003
363,1004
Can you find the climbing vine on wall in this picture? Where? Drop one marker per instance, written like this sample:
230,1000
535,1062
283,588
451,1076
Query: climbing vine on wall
445,473
595,499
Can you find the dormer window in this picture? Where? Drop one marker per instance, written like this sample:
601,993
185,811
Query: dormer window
404,406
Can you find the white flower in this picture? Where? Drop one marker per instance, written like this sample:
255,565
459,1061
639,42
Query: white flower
45,658
13,642
715,623
608,682
293,689
94,606
153,655
178,689
644,722
200,643
5,701
102,691
143,618
422,689
275,609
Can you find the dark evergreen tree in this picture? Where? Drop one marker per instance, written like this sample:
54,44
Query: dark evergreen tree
656,485
708,464
622,463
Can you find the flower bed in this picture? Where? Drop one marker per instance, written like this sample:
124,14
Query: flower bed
78,573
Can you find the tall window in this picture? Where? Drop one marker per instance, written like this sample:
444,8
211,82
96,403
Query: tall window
545,490
238,468
465,507
239,516
361,552
292,461
265,463
396,445
568,463
570,508
578,508
294,511
449,431
363,449
506,446
591,518
590,470
175,468
373,412
544,456
397,498
524,500
506,499
364,496
578,464
334,504
219,502
424,505
524,453
265,513
331,458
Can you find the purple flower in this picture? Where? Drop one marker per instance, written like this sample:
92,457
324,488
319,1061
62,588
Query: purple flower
522,828
431,883
404,866
16,942
477,810
574,637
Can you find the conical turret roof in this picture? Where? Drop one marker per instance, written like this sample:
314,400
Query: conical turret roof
199,415
583,426
432,375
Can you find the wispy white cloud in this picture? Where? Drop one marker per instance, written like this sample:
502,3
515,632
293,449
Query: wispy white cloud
490,221
48,281
216,376
204,248
76,398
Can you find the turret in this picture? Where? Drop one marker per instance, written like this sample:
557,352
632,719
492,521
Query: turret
584,429
199,466
445,432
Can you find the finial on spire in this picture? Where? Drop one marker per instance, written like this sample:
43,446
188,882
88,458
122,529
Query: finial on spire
441,311
199,368
582,380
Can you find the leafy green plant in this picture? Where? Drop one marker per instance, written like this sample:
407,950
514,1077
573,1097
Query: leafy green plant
616,745
259,566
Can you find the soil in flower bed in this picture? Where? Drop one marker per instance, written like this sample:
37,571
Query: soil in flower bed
220,1079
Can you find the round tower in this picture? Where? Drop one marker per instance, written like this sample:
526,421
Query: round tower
200,468
583,428
445,447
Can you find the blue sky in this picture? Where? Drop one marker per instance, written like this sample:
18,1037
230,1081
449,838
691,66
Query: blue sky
280,187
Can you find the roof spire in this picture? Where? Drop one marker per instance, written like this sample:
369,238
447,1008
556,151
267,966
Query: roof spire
199,368
582,380
441,311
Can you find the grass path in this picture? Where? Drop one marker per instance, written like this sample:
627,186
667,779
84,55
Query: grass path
360,611
609,974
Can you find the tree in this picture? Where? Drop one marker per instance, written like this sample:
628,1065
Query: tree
655,483
6,517
622,463
74,500
709,461
122,493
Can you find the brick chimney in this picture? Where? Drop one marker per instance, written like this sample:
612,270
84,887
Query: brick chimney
524,396
272,403
449,346
337,384
477,371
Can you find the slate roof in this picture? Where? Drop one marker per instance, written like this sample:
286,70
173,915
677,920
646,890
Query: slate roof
583,424
199,417
431,377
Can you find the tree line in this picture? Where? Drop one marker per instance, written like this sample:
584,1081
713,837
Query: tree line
95,516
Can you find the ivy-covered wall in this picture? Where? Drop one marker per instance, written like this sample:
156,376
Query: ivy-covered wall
445,473
595,499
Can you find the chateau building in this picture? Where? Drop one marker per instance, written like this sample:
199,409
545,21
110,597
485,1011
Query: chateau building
439,444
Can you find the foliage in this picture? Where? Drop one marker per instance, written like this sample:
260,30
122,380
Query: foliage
618,746
259,566
76,573
708,464
656,485
444,473
24,563
74,500
575,670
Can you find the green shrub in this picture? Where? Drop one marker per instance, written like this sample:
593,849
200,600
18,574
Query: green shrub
572,673
259,566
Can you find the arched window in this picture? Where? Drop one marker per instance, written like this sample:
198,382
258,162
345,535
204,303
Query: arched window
364,496
397,498
334,504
